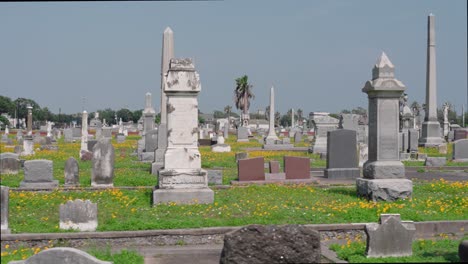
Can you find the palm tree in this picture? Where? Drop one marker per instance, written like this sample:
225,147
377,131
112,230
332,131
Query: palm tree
242,94
227,110
299,116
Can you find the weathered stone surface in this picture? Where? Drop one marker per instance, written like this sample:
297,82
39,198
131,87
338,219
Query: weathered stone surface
61,255
384,169
342,160
151,140
435,161
102,174
9,163
221,148
274,166
38,174
298,137
413,139
296,167
120,138
215,176
242,134
390,238
271,244
91,144
79,215
463,251
28,146
251,169
242,155
72,172
147,156
4,208
384,189
460,150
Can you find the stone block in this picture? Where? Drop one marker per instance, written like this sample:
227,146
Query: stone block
4,208
221,148
342,173
72,173
390,238
384,189
274,166
435,161
271,244
460,150
183,196
242,134
102,174
38,174
382,169
9,163
296,167
61,255
215,176
251,169
78,215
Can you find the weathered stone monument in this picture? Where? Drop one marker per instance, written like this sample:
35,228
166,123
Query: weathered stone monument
84,134
271,138
342,159
4,208
148,114
182,180
72,173
38,174
322,123
102,174
62,255
391,237
78,215
272,244
460,150
9,163
430,133
384,174
167,55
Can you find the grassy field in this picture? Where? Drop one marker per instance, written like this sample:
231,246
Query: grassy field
424,251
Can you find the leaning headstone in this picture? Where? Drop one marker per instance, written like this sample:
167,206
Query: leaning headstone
342,160
182,180
296,167
258,244
38,174
72,173
435,161
4,205
9,163
391,237
384,173
460,150
251,169
78,215
62,255
103,164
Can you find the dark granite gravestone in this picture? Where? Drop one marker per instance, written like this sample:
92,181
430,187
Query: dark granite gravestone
296,167
271,244
342,158
251,169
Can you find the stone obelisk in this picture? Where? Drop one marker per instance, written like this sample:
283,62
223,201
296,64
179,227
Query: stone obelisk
167,55
148,114
84,133
271,137
430,135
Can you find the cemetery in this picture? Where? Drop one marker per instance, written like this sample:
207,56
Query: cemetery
374,187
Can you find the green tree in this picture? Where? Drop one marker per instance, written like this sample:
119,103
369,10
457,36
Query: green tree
22,103
243,93
125,114
136,115
107,114
7,106
218,114
227,110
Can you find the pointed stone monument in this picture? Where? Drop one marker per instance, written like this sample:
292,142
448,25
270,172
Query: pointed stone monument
271,137
28,143
430,133
167,55
182,180
384,174
84,134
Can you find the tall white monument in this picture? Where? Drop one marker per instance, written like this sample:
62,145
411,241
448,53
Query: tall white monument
430,133
271,137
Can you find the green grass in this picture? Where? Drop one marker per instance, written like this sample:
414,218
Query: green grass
424,251
122,257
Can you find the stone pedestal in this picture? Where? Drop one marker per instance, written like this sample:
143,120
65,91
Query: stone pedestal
384,174
384,189
182,180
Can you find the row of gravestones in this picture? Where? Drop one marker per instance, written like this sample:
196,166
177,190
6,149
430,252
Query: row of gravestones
38,174
252,169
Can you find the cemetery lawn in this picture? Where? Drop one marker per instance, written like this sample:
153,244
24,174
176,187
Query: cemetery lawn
424,251
122,257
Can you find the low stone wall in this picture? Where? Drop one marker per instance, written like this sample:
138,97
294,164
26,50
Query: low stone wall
212,235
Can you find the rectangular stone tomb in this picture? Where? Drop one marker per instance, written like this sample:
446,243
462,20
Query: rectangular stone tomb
251,169
460,150
296,167
38,174
342,158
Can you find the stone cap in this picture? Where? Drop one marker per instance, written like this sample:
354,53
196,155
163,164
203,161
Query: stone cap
184,64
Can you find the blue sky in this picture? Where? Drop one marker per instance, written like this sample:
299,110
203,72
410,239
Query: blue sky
318,54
